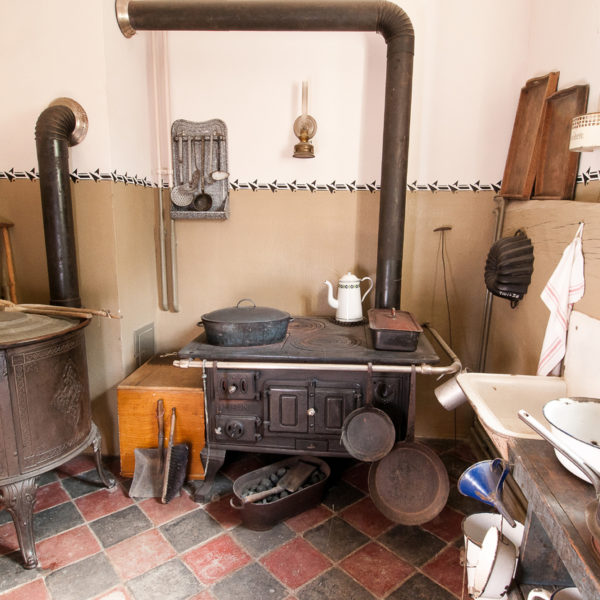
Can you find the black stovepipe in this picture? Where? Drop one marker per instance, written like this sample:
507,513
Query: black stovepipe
59,126
382,16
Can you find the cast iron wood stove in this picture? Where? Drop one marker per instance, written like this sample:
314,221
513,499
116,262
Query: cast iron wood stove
293,397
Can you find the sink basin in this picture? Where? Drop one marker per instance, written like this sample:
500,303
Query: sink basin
496,400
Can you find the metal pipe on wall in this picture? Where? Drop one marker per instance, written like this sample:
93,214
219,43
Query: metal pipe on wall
382,16
64,123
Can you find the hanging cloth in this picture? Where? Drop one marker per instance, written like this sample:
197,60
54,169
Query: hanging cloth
565,287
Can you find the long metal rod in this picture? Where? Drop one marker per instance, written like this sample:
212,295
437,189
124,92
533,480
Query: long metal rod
422,369
382,16
487,311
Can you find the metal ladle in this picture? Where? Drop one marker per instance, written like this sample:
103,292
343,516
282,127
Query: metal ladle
202,200
183,195
217,175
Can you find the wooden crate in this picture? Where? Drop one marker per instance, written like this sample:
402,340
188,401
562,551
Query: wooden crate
137,396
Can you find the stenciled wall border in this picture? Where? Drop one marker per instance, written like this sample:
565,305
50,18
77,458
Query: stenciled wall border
294,186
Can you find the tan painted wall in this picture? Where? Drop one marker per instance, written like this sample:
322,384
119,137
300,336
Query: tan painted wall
516,335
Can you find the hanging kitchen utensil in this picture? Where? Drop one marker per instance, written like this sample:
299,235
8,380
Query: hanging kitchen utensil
410,485
368,433
209,194
148,473
509,267
219,174
202,200
592,511
483,481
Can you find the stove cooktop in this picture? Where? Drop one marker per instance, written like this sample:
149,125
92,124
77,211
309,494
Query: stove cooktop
318,340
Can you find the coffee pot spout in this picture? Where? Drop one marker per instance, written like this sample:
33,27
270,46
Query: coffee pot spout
330,299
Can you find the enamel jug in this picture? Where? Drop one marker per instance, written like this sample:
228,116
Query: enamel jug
348,305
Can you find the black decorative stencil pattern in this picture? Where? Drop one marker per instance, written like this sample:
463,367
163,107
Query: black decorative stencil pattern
294,186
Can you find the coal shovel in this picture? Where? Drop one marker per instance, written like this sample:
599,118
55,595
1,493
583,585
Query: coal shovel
291,481
148,473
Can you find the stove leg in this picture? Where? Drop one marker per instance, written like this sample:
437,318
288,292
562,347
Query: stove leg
105,477
18,499
212,460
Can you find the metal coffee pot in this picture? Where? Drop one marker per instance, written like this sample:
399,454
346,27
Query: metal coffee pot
348,305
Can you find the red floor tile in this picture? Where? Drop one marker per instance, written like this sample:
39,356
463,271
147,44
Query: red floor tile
79,464
205,595
365,516
376,568
103,502
139,554
65,548
160,513
445,569
447,525
36,590
358,476
295,563
309,519
8,538
223,512
215,559
119,593
50,495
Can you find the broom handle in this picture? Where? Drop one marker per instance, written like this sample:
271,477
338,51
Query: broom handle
160,417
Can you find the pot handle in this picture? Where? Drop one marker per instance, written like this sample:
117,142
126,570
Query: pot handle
370,288
234,505
246,300
538,593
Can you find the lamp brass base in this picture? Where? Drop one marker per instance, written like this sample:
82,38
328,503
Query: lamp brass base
304,150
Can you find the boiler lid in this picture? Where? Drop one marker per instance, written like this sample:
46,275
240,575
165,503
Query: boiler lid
21,326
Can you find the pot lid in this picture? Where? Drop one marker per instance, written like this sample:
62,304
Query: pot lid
21,326
247,313
349,278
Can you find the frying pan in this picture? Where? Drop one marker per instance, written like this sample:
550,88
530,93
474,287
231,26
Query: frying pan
409,485
592,511
368,433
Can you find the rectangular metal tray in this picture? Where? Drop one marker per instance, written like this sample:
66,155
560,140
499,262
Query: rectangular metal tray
393,329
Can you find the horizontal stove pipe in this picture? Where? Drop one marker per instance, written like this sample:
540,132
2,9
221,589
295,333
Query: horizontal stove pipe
382,16
62,124
422,369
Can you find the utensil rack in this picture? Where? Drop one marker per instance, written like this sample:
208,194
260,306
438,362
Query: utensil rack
198,150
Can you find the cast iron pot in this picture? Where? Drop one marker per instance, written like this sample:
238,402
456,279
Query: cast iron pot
248,325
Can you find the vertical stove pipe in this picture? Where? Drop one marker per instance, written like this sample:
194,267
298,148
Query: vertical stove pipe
62,124
382,16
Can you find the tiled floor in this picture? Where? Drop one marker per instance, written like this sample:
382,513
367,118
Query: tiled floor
93,543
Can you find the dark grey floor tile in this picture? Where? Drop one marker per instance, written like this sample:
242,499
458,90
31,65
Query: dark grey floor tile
336,538
82,484
412,544
84,579
172,580
334,585
5,517
190,530
46,478
465,504
12,572
118,526
250,583
419,587
55,520
455,465
257,543
341,494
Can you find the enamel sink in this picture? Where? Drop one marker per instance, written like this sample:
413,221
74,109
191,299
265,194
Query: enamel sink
497,398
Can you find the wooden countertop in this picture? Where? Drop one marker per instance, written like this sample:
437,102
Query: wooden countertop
559,500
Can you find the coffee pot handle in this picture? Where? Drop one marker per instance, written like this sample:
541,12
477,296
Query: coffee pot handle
370,288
